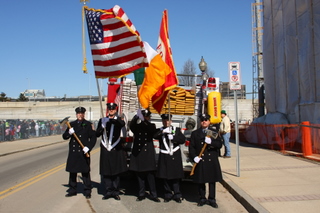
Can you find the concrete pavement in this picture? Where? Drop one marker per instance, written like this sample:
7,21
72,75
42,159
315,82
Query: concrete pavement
268,182
10,147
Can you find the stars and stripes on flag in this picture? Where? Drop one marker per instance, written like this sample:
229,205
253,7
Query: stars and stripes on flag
118,99
116,46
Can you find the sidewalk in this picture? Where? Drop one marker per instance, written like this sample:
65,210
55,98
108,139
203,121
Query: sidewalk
269,181
272,182
10,147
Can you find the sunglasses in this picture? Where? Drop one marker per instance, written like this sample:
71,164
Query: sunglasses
204,120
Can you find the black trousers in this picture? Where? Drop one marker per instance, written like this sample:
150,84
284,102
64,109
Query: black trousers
172,185
112,185
149,177
86,182
212,191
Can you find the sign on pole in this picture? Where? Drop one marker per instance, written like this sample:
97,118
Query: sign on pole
235,84
234,75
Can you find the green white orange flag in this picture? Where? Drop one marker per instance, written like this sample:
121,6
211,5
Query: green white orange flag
164,49
155,76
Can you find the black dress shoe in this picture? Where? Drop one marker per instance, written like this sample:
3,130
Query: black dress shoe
201,202
178,200
155,199
140,198
71,194
213,204
88,196
116,197
106,197
166,200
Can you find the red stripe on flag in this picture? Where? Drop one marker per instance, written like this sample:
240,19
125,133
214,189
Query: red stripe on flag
122,46
118,37
116,61
103,74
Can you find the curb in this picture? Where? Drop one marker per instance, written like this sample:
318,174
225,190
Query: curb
242,197
35,147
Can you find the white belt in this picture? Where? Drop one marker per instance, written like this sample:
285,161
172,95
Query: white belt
169,150
108,145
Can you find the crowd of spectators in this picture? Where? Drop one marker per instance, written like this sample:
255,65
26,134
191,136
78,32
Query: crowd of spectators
22,129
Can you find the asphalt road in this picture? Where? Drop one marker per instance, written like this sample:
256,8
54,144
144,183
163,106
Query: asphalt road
36,181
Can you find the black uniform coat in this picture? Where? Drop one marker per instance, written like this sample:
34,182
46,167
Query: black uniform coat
170,166
143,153
112,162
77,160
208,169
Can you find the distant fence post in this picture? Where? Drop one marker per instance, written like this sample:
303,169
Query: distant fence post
306,139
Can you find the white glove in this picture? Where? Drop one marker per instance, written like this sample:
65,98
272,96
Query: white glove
85,150
208,140
197,159
166,130
71,131
139,113
104,122
170,136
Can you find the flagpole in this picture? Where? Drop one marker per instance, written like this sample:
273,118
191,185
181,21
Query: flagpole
120,110
84,67
100,99
169,113
84,1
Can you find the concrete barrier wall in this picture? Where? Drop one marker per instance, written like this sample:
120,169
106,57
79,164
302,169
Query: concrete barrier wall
59,110
47,110
245,109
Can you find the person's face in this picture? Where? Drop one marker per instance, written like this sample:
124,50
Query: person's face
205,123
80,116
222,115
166,122
147,118
112,112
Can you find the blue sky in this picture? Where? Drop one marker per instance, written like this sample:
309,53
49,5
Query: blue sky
41,41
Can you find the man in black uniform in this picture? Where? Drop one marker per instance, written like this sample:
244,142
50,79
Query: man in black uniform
112,155
170,167
142,160
208,168
77,159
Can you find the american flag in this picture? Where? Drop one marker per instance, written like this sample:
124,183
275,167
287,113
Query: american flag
116,46
118,99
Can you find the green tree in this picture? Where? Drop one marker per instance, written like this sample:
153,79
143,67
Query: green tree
3,97
22,98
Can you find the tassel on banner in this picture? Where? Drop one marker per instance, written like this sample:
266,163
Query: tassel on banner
84,67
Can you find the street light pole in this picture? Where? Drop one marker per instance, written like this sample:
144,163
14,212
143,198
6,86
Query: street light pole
203,68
